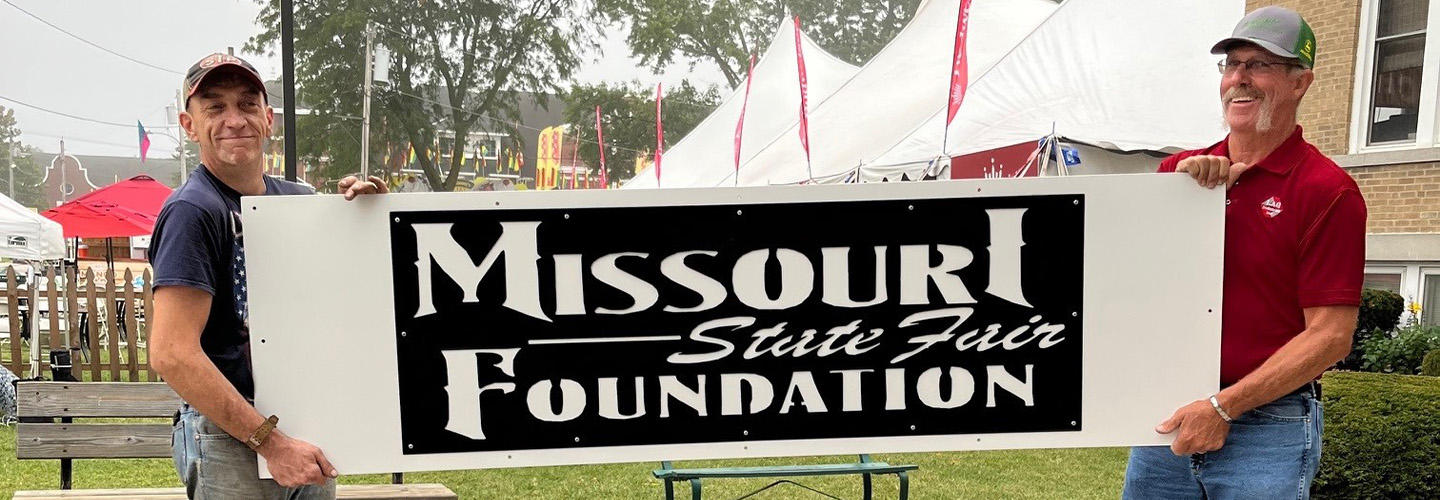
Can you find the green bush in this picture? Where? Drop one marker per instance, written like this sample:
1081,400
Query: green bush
1379,312
1382,437
1401,352
1431,366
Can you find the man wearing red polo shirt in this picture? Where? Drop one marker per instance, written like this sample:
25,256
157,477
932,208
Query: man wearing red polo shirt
1294,263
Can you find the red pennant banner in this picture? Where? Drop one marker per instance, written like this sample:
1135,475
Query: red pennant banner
740,126
600,139
575,164
659,131
804,91
960,74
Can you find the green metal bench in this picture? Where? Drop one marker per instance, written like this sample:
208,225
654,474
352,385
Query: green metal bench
865,468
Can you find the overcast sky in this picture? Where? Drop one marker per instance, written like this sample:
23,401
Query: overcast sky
42,66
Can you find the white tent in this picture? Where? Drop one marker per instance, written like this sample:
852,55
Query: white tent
707,154
28,235
896,91
1114,74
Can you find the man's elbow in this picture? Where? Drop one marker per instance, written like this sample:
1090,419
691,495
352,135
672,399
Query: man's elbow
161,360
166,357
1342,342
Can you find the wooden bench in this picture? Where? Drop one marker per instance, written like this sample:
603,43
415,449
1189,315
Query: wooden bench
865,468
68,441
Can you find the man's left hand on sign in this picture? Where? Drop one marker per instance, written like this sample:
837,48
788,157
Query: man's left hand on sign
1201,429
352,186
1212,171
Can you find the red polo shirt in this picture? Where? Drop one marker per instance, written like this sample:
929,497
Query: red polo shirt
1294,239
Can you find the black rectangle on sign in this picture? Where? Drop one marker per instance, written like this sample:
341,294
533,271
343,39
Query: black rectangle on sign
527,329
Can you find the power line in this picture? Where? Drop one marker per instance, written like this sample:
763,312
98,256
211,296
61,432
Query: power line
77,139
67,115
92,44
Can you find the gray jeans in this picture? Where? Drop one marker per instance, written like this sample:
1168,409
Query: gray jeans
215,466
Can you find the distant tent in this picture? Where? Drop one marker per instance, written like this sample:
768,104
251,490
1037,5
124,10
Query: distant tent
707,154
1094,75
28,235
1088,72
896,90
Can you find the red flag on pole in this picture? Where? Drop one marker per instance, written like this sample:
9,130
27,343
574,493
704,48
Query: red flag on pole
804,100
740,126
600,139
144,141
659,131
960,74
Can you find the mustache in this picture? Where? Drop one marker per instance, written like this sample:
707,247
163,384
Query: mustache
1242,92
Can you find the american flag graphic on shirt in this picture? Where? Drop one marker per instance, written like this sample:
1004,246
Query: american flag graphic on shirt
237,272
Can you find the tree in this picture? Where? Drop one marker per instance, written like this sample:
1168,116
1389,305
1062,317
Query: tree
726,32
454,64
628,117
27,171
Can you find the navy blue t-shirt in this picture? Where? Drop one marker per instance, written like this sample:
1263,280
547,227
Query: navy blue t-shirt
199,242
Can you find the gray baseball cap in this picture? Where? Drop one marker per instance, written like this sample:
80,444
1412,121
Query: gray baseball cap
1279,30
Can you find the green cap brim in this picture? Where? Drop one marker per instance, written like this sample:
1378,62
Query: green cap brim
1226,44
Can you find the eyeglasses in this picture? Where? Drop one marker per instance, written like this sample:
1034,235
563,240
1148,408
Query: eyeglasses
1254,66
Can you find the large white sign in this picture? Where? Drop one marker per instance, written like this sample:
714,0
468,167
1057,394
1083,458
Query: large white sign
447,331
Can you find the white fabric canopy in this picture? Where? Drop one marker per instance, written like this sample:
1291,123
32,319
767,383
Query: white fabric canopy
28,235
707,154
897,90
1117,74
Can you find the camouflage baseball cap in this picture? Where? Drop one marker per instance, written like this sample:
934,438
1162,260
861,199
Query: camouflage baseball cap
1279,30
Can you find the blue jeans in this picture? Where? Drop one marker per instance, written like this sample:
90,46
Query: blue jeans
1272,453
215,466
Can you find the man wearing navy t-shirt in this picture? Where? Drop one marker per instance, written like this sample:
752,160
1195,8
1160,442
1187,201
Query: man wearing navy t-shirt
1294,264
201,339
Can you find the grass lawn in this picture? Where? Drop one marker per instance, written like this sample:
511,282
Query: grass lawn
81,370
1029,474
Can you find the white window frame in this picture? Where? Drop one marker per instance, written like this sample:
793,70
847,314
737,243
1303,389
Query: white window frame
1410,281
1425,272
1429,122
1403,271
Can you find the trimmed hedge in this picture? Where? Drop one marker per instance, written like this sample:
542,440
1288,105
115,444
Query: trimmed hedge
1431,365
1382,437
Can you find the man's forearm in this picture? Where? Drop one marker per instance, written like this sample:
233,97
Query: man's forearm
196,379
1301,360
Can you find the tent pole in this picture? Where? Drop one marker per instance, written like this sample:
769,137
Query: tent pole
287,55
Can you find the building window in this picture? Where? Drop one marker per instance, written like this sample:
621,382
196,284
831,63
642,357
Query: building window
1430,298
1383,281
1395,101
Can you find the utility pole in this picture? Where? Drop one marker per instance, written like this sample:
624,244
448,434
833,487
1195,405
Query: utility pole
64,182
180,132
14,150
365,126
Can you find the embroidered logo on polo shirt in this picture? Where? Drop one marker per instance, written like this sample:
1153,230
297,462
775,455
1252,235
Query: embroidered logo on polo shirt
1271,208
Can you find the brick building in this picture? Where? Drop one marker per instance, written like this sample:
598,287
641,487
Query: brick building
1373,109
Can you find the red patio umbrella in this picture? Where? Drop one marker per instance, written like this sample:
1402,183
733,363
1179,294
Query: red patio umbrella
99,219
125,208
140,194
